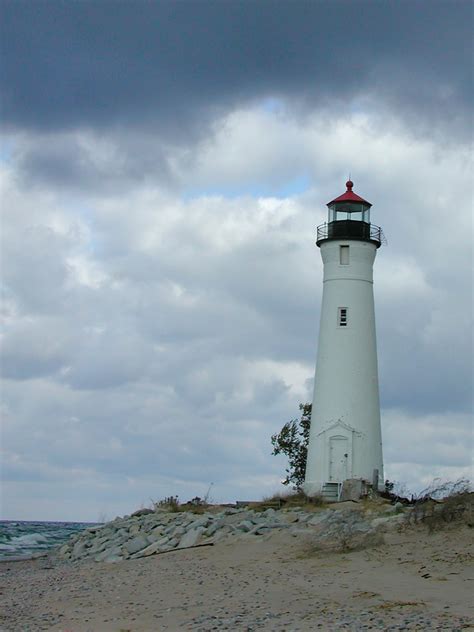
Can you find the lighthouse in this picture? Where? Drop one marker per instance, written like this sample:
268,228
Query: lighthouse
345,440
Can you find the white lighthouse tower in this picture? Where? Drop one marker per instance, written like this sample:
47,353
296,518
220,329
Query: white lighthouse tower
345,437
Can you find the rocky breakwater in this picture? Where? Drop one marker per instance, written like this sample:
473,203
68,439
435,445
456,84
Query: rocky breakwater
148,532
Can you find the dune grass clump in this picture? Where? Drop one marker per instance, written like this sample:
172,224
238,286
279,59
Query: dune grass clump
287,500
442,504
169,503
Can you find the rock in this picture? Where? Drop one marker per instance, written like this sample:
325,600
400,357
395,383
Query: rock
121,534
115,552
318,519
94,529
298,531
291,517
191,538
156,534
113,558
352,489
97,548
245,525
269,512
65,549
136,544
259,529
134,529
149,550
142,512
389,522
179,531
78,549
101,540
209,532
275,525
221,534
304,517
237,516
201,522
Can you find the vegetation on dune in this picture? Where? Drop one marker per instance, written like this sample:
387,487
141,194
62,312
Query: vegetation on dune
441,504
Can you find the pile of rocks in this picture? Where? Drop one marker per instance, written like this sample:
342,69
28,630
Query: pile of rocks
148,532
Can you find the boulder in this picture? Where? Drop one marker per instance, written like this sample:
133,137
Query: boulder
201,522
142,512
238,516
352,489
148,550
64,550
388,522
113,558
318,519
191,538
178,532
291,517
78,549
245,525
259,529
212,528
136,544
115,552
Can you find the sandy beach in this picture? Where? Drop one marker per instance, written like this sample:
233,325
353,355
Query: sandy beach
413,581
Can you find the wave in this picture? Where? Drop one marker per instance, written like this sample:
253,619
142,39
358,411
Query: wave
7,547
29,539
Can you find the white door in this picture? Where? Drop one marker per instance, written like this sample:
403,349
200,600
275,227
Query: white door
338,457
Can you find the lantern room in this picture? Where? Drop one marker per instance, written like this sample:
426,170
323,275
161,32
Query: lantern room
349,206
349,218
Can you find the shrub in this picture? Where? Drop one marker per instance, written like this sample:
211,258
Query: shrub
292,440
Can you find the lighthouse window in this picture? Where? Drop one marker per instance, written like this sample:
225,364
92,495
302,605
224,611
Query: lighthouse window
344,255
342,317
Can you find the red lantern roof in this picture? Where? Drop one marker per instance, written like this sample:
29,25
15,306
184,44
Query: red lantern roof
349,196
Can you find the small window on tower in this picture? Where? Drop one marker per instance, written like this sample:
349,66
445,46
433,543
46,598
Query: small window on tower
342,317
344,255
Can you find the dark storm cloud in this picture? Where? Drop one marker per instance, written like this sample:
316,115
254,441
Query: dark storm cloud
77,161
176,64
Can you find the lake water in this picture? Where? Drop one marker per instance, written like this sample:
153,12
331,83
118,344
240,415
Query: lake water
25,539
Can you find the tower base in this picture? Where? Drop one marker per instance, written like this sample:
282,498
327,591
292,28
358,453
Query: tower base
331,492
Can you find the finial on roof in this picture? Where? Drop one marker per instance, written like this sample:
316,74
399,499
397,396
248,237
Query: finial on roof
349,184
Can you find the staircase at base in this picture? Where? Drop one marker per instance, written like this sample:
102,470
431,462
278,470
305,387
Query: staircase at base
330,492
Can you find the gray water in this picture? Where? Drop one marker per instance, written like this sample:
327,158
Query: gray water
27,539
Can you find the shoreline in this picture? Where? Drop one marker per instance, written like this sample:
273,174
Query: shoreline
26,558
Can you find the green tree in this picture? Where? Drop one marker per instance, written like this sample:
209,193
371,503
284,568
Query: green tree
292,440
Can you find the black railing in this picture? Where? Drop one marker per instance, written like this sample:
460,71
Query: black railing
350,229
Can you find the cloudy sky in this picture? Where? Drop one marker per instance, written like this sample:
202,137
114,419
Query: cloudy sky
164,166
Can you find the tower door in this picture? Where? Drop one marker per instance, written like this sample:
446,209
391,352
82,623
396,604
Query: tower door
338,458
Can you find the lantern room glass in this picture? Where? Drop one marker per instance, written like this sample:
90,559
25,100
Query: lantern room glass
349,210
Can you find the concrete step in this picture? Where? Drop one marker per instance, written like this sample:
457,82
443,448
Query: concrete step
330,492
